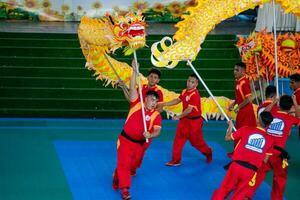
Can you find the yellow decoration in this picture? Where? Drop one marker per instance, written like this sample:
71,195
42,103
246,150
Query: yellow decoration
99,37
203,18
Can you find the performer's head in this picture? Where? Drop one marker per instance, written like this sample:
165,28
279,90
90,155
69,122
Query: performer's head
192,82
286,103
295,81
153,77
239,70
151,100
265,118
270,91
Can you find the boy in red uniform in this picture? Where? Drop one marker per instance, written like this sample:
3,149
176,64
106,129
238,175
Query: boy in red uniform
245,112
253,147
279,130
153,79
190,122
270,100
132,138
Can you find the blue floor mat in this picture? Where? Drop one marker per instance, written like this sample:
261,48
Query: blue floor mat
88,166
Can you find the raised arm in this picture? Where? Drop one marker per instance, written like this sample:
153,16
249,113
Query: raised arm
133,95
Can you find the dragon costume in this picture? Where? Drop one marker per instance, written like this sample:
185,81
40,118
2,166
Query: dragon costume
101,37
259,48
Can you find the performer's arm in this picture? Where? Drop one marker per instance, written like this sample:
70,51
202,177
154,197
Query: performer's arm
133,95
155,133
184,113
243,104
124,88
228,135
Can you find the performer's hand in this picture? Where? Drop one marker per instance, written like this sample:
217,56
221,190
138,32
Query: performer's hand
236,110
147,135
121,84
231,106
176,117
134,66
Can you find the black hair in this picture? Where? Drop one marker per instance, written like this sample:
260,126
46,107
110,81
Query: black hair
194,76
152,93
270,91
154,71
241,64
295,77
285,102
266,117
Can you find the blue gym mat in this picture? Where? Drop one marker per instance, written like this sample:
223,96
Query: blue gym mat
88,166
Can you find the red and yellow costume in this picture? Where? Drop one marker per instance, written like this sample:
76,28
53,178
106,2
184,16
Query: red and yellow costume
145,89
245,116
131,140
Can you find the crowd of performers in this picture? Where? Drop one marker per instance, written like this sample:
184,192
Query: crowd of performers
259,142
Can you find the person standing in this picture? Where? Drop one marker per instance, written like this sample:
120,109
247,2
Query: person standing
190,122
133,136
153,79
245,112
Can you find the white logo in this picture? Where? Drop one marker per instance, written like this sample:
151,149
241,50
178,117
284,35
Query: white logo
276,127
147,118
256,142
187,98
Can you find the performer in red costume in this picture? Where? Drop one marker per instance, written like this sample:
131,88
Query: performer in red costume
153,79
190,122
245,112
254,146
279,130
132,138
270,100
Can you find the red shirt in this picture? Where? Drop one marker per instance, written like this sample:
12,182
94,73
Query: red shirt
281,126
146,88
265,104
134,126
297,94
254,143
192,98
242,90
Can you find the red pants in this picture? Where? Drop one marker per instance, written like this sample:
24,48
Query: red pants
189,129
279,177
246,117
236,179
141,154
127,154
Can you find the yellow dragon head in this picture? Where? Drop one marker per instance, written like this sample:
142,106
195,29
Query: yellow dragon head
128,30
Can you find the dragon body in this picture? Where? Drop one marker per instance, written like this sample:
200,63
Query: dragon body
101,37
199,21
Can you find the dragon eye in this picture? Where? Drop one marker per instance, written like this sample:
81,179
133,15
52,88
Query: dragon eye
123,25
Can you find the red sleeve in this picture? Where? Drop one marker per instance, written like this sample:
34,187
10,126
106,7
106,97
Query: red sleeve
181,96
157,121
237,135
246,89
134,102
160,96
195,100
